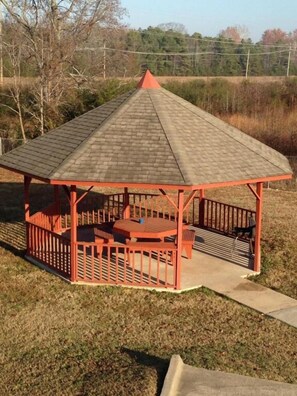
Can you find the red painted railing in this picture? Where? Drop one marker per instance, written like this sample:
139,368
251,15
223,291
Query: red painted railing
49,218
224,218
95,210
120,266
153,205
49,248
108,208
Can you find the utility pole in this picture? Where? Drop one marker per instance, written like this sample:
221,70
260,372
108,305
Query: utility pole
195,57
247,64
1,46
104,60
289,60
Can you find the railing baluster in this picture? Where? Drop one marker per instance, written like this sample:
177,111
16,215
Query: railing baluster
158,267
223,217
166,267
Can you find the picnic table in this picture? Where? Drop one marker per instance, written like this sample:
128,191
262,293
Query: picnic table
151,228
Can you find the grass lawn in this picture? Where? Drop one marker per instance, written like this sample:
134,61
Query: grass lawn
59,339
279,231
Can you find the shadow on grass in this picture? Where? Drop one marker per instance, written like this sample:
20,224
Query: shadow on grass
12,226
18,250
144,359
124,372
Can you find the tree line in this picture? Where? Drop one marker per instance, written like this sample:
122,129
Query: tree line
64,47
171,52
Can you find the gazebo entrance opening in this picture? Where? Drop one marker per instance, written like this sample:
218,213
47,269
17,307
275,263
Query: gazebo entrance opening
62,237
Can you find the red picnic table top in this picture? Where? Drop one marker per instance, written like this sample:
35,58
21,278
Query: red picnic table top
152,227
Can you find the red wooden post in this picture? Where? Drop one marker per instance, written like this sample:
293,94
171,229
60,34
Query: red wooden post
57,214
179,238
257,259
126,209
201,207
27,181
73,234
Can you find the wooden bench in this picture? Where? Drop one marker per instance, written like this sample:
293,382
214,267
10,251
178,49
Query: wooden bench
188,242
102,236
151,246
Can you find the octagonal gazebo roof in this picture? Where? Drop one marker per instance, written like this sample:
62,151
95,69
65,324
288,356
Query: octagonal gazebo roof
147,136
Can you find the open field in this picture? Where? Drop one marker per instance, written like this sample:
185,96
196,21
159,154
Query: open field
26,81
59,339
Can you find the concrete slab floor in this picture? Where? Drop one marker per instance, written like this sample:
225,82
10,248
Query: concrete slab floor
223,269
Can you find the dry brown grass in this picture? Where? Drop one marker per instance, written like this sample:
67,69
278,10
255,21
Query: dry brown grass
26,81
66,340
276,128
279,249
59,339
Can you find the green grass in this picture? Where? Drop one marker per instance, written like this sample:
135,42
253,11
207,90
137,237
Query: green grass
60,339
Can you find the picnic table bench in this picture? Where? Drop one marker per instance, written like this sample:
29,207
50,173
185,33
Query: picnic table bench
102,236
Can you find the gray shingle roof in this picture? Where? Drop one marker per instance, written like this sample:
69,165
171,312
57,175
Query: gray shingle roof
148,136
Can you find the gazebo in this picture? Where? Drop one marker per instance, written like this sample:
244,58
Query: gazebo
146,139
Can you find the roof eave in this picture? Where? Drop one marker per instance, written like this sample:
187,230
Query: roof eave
173,186
152,185
40,178
245,181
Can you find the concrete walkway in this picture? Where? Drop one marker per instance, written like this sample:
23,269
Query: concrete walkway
223,269
185,380
217,266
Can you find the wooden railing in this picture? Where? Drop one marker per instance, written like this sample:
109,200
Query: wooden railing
109,208
95,210
153,205
49,218
120,266
224,218
49,248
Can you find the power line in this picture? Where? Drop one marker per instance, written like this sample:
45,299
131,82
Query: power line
178,53
210,40
229,41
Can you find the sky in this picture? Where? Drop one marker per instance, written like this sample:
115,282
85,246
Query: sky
209,17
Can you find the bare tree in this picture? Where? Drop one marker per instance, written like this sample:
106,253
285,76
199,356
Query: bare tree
235,33
52,31
14,52
174,27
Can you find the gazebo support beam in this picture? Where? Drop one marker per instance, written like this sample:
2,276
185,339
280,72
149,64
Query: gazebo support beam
201,207
190,199
67,192
84,195
57,216
169,199
73,234
126,209
27,182
253,191
259,204
179,238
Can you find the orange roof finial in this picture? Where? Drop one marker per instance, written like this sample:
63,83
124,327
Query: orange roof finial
148,81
